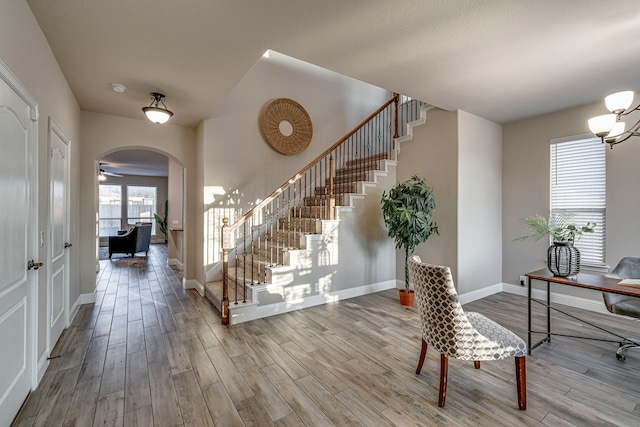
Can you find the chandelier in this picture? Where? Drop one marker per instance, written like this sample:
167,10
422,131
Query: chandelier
154,112
609,127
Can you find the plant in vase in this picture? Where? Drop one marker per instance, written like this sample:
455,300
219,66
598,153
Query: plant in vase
163,223
563,259
408,214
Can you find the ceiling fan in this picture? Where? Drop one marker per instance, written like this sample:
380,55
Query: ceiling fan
102,174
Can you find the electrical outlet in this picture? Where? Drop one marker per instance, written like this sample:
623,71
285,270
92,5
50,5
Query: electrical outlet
523,280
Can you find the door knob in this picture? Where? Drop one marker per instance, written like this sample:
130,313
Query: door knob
67,245
33,265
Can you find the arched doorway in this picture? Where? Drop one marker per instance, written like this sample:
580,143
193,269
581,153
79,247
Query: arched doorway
139,185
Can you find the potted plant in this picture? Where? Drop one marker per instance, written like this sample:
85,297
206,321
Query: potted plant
563,259
162,222
408,214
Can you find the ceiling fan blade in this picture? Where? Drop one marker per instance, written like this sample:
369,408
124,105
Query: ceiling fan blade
116,175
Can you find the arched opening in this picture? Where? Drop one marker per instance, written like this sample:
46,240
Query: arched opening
140,186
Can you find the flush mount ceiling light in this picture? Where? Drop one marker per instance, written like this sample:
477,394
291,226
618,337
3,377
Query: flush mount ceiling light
154,112
117,87
608,126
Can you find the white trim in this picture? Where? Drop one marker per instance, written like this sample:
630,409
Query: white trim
569,300
82,299
87,298
43,364
175,262
74,310
480,293
539,294
246,312
193,284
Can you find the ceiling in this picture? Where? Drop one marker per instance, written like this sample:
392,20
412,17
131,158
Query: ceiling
499,59
136,162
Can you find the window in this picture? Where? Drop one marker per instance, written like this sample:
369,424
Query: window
110,209
578,185
141,205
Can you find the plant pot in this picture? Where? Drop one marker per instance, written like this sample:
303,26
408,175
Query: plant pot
406,296
563,259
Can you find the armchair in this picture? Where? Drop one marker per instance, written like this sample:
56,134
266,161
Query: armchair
137,239
624,305
454,333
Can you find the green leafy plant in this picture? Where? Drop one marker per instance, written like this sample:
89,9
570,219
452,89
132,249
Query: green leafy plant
163,222
560,227
408,214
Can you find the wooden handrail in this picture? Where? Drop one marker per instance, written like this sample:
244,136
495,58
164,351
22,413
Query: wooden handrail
293,179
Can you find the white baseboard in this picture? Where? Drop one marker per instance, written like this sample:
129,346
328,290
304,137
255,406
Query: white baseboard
43,364
571,301
193,284
176,262
245,313
82,299
73,311
87,298
539,294
480,293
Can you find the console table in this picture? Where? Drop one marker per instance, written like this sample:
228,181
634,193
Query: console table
581,280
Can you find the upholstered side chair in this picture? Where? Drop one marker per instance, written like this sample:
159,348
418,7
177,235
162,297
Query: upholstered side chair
454,333
624,305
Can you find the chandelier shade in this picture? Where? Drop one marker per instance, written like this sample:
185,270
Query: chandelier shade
155,112
618,102
602,125
609,127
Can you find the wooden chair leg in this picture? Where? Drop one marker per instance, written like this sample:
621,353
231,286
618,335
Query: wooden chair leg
444,369
521,381
423,353
476,363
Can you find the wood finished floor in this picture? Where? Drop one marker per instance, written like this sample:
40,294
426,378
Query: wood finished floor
149,353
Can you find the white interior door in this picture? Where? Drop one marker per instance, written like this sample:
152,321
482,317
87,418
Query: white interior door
58,279
18,221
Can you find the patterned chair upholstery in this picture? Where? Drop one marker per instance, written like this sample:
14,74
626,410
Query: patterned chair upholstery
454,333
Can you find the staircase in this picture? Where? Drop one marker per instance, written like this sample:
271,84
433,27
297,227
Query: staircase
286,254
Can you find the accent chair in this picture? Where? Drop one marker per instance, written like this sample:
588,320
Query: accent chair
136,239
453,333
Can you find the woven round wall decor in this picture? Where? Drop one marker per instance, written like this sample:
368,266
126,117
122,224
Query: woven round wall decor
286,125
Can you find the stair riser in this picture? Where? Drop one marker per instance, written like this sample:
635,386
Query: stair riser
350,178
323,200
337,189
291,239
302,225
370,159
313,212
357,168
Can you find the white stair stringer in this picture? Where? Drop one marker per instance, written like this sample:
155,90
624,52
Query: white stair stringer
422,120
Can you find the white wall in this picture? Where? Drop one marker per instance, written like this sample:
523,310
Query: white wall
433,154
479,202
175,218
526,190
237,159
25,51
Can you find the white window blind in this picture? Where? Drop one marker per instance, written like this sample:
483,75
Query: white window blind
579,185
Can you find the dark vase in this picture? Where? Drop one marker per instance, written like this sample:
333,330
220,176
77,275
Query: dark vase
563,259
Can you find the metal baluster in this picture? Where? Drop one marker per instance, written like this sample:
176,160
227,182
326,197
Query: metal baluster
236,275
